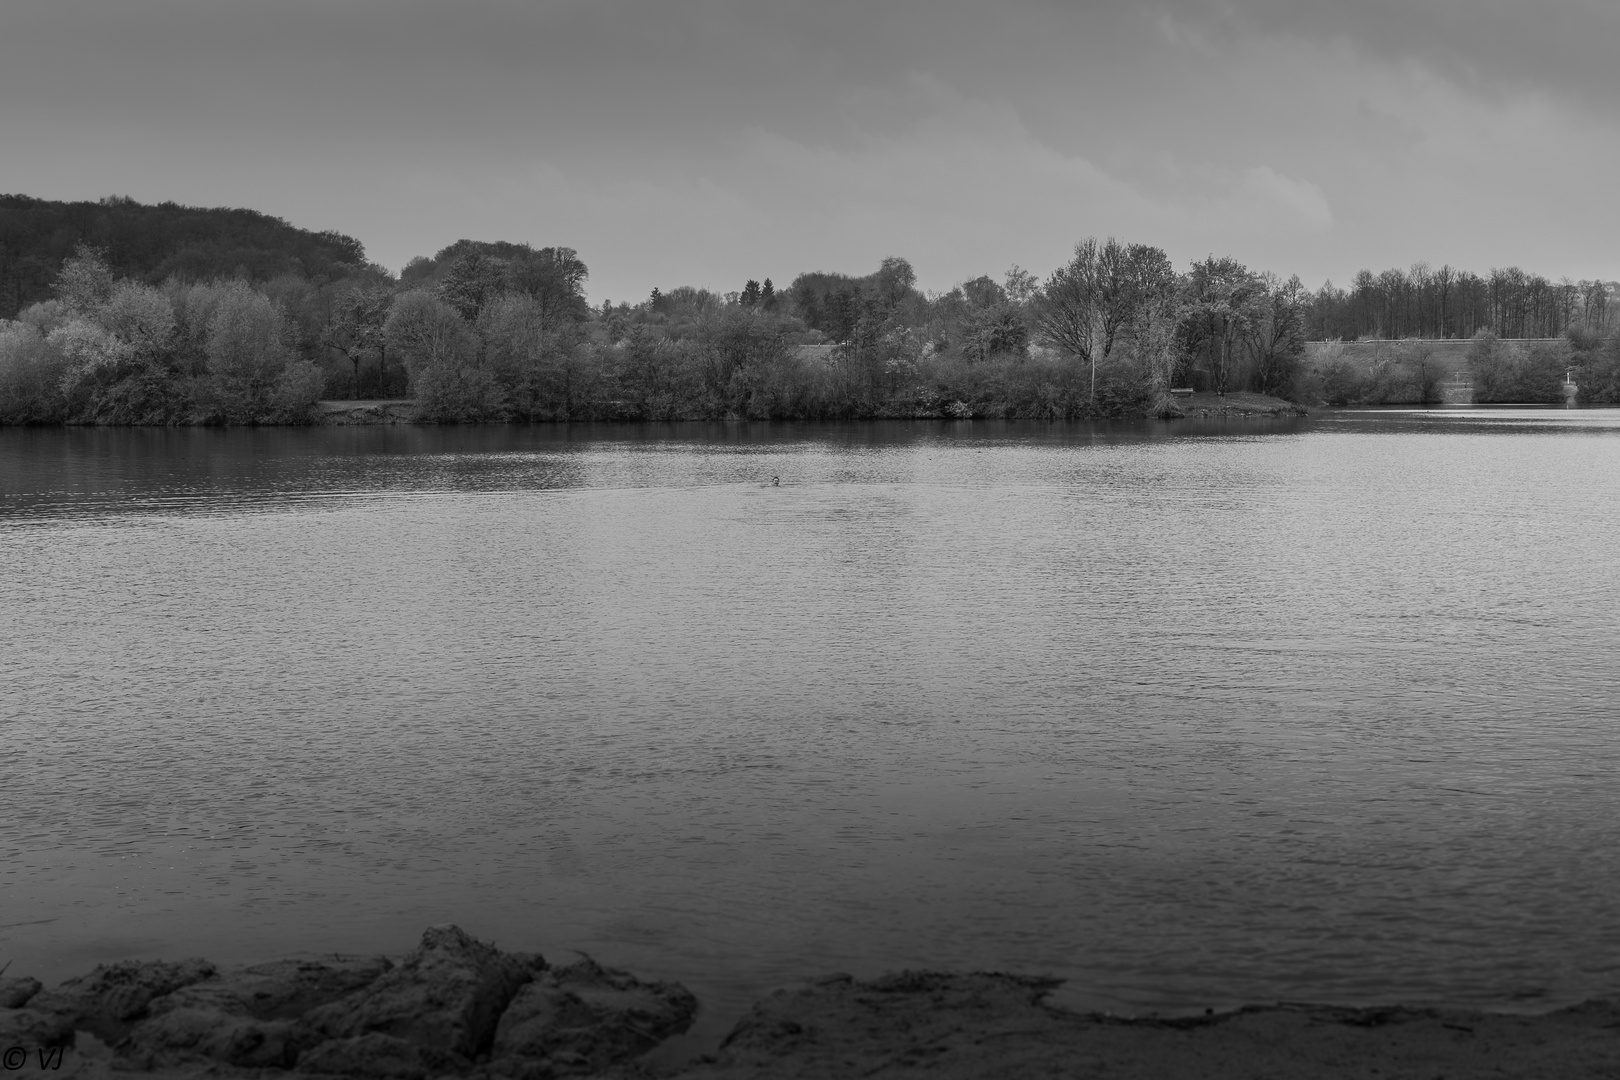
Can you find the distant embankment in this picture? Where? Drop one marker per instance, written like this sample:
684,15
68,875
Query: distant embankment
1446,351
1442,360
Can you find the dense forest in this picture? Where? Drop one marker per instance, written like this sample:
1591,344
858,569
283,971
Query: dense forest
155,243
123,313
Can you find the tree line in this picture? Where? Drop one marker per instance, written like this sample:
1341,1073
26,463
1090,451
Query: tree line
499,331
1423,302
502,331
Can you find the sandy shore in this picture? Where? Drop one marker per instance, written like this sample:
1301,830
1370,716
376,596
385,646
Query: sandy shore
457,1007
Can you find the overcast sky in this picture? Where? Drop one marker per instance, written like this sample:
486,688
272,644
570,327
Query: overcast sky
710,141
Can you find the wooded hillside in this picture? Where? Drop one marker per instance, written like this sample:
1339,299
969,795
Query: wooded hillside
153,243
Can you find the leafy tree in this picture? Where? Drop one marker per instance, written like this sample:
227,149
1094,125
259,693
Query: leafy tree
654,376
894,283
253,376
44,316
986,323
115,343
1491,370
471,281
741,350
523,357
841,314
1597,368
1020,285
31,374
1219,309
85,281
141,318
982,292
440,352
426,331
615,320
356,329
554,278
995,330
1533,375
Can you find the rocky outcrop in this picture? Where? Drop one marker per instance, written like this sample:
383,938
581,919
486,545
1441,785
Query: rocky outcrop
280,990
458,1007
248,1017
955,1027
31,1028
580,1019
111,998
183,1034
915,1021
445,997
453,1006
375,1055
14,993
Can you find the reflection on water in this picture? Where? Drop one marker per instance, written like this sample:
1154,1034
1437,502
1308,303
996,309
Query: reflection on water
1317,709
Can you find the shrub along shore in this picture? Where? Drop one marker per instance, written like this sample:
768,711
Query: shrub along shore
458,1007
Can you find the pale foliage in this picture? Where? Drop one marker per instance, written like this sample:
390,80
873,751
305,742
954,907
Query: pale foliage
30,375
252,373
88,350
140,317
441,355
85,281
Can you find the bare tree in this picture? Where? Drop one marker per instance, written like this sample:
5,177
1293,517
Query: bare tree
1106,294
1277,333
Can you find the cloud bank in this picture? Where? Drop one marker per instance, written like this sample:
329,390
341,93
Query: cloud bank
713,141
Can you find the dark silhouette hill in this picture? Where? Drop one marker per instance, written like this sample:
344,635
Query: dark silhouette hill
152,243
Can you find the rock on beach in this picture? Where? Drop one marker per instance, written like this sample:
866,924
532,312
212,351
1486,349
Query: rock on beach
458,1007
453,1006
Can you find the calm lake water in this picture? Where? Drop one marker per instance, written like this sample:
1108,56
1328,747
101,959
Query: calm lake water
1318,709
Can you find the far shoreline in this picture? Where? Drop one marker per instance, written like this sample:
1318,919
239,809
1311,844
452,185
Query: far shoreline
1201,405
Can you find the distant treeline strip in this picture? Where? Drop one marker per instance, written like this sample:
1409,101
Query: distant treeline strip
153,325
1446,303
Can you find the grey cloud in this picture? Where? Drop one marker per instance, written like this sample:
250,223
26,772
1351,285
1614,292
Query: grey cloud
684,140
1488,46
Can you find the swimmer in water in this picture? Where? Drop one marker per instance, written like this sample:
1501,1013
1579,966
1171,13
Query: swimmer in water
776,481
